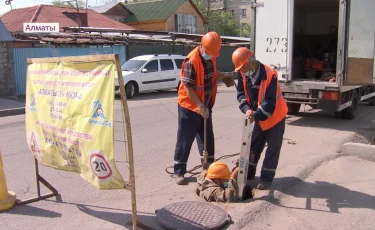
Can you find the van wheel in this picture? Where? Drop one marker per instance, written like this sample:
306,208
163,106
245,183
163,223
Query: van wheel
131,90
351,112
293,109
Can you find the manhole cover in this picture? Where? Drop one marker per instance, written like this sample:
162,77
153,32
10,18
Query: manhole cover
192,215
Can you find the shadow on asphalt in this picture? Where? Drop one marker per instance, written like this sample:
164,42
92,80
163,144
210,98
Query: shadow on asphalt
122,219
152,95
322,119
27,210
336,196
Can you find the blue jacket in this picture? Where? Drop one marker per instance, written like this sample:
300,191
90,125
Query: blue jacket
269,102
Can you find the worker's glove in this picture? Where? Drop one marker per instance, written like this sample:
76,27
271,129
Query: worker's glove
237,163
203,111
228,80
250,115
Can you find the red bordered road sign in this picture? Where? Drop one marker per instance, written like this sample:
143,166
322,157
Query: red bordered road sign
100,166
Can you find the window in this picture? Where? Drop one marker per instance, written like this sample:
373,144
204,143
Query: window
152,66
243,12
232,12
132,65
178,62
185,23
166,64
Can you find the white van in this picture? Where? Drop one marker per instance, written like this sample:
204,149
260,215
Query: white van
150,72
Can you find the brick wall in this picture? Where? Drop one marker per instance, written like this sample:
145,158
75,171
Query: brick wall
7,84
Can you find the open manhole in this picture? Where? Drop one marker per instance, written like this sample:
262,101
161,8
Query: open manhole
192,215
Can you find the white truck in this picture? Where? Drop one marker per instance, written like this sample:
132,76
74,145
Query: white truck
323,51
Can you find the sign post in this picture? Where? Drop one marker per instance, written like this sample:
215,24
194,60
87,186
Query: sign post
69,120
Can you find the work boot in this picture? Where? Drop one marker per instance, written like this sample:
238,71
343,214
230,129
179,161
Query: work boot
180,179
263,185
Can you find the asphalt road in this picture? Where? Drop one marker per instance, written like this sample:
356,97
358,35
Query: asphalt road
309,175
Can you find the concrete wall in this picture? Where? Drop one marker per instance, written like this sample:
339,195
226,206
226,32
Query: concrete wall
236,6
7,85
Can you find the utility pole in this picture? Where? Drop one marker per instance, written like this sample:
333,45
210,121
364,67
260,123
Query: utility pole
208,14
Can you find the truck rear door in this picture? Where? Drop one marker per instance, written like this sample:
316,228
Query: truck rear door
360,42
273,34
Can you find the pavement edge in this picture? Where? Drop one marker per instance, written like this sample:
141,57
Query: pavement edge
12,112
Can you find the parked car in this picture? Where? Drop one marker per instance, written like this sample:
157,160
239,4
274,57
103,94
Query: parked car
150,72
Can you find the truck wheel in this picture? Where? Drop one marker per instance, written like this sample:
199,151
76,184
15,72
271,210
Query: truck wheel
350,113
293,109
338,114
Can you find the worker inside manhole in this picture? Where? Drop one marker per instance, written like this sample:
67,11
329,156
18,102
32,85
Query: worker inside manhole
315,40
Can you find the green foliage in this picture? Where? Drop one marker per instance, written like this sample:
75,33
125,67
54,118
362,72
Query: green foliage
245,30
218,21
222,23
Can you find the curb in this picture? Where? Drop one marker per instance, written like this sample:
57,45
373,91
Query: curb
12,112
361,150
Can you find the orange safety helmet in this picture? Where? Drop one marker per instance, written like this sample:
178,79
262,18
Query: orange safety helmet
240,56
211,41
218,170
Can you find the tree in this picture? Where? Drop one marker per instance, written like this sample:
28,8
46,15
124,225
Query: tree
71,3
218,21
245,30
222,23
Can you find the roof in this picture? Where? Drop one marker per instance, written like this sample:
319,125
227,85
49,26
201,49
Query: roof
14,19
104,8
4,33
156,10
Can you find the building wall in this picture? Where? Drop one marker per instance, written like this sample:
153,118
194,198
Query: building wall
7,85
151,25
186,8
236,7
117,12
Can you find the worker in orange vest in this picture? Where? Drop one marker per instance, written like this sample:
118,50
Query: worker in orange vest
196,97
261,100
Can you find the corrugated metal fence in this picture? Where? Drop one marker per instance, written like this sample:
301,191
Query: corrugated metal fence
224,62
21,54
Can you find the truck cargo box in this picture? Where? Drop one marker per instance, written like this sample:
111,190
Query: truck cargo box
316,43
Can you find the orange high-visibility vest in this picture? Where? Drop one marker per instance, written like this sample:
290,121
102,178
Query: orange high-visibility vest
183,99
281,108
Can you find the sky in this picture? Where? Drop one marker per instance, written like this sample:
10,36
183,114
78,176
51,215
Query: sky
26,3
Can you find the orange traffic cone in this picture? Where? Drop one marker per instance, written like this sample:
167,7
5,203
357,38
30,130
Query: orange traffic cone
7,198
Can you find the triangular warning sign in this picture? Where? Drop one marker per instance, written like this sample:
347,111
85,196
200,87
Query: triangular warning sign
33,144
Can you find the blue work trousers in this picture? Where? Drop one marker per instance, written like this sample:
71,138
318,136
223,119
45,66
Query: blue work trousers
190,127
274,138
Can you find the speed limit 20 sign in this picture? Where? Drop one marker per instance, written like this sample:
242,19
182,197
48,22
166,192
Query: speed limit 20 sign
100,167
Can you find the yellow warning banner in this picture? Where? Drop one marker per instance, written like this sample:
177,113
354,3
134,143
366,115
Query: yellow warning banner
69,118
